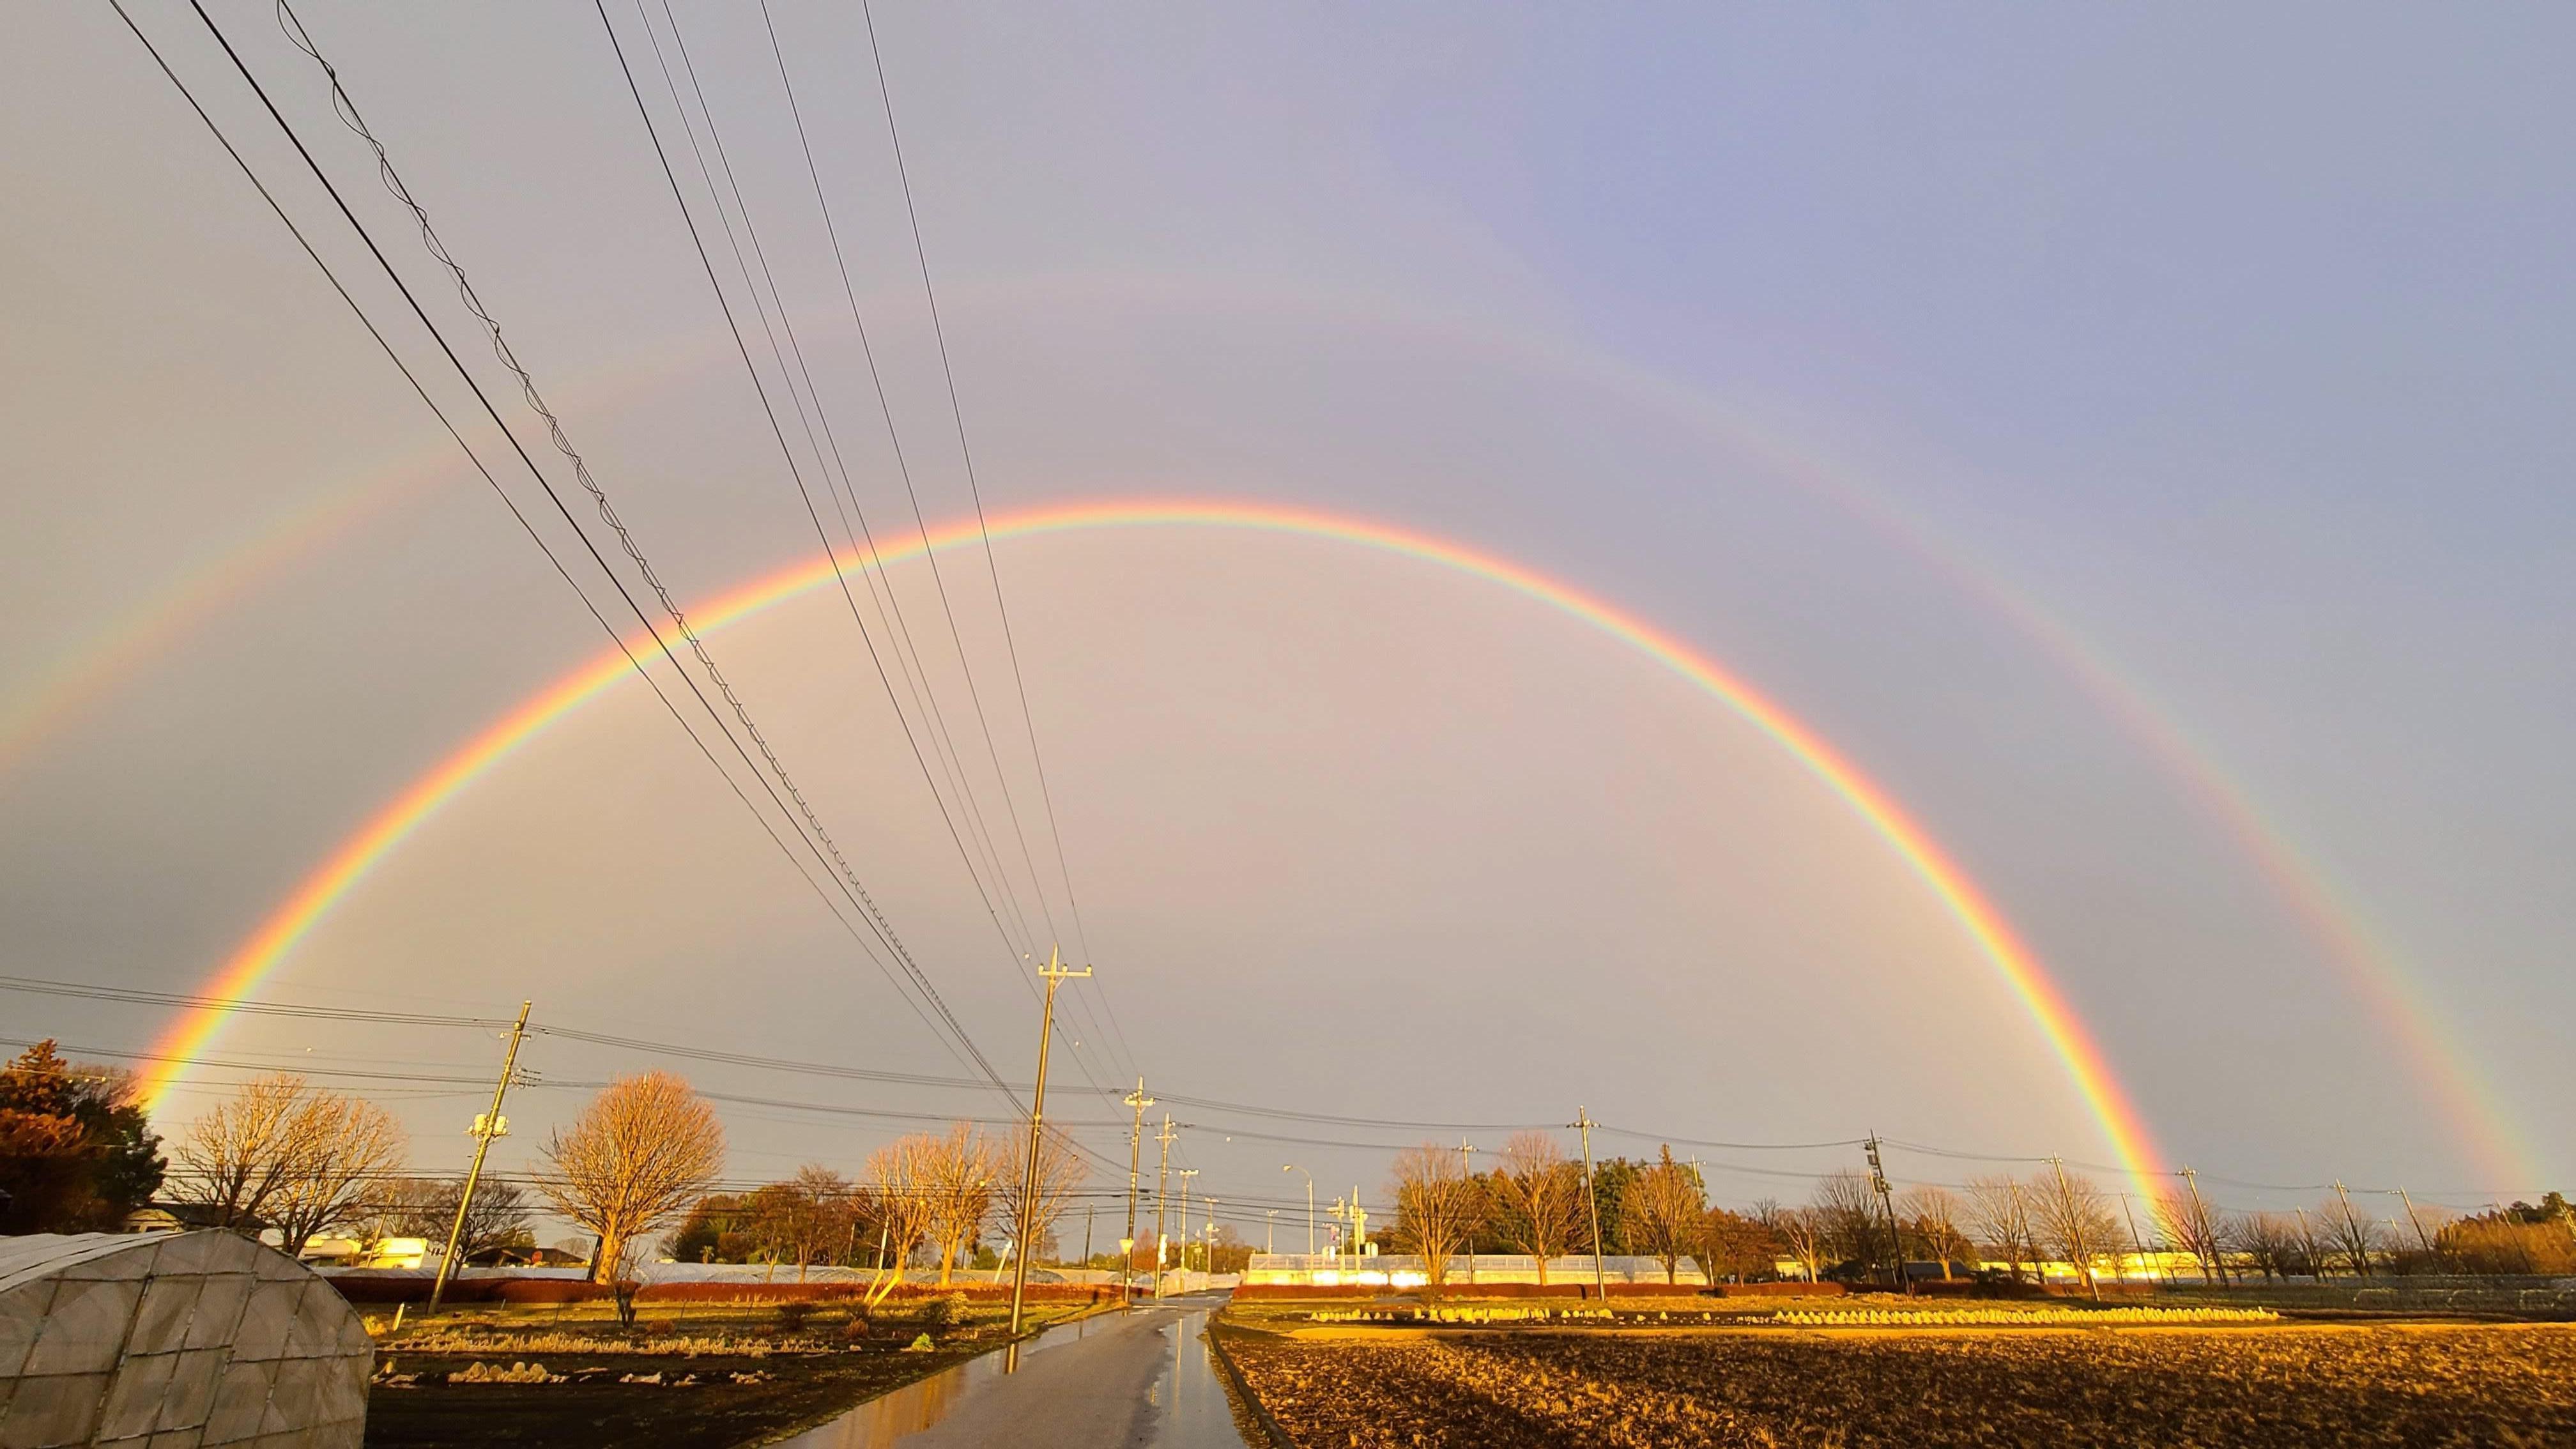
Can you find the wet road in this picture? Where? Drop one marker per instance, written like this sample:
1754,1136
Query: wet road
1135,1381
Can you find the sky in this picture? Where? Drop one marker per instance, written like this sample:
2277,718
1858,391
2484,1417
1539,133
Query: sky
1974,386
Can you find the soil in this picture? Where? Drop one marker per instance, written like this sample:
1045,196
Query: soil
2279,1386
698,1403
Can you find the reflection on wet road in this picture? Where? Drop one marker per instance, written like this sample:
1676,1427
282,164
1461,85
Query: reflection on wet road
1138,1381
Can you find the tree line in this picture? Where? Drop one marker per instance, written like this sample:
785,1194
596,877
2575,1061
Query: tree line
77,1153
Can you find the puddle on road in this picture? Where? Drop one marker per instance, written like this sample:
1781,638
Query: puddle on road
1195,1413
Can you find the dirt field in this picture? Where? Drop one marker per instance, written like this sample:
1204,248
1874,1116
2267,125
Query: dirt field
2498,1387
705,1377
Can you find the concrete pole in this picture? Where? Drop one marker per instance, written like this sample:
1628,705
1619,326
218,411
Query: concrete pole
484,1131
1600,1285
1053,971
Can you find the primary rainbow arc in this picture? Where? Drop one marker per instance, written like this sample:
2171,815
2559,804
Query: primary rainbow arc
351,861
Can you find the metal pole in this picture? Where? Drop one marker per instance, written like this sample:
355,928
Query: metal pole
1310,1207
1583,1120
1186,1174
484,1131
1053,971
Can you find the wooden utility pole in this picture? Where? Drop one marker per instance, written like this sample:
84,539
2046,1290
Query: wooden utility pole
1583,1122
1053,971
1186,1174
1162,1196
486,1127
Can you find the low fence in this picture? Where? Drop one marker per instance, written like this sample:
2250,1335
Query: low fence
2519,1297
1569,1292
359,1286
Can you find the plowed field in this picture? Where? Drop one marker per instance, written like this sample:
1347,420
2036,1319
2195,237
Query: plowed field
2493,1387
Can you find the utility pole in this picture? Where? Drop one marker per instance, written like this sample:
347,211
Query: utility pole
1135,1146
2201,1227
486,1127
2134,1240
1162,1196
1269,1231
1053,972
2420,1235
1470,1174
2352,1234
1186,1174
1887,1204
1583,1122
1089,1212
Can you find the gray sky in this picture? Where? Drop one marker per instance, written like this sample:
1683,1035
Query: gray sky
2232,343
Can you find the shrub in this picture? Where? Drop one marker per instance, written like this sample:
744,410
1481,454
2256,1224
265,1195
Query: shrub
945,1311
793,1313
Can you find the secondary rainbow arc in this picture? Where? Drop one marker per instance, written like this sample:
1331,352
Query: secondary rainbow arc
2087,1068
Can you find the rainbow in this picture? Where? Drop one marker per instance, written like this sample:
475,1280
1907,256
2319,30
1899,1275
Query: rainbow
358,855
2375,970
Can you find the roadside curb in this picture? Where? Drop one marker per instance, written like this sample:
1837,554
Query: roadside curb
1270,1426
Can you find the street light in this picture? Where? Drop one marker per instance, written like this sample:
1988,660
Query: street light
1310,1204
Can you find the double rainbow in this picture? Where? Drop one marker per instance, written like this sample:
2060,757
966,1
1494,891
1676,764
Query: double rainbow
241,973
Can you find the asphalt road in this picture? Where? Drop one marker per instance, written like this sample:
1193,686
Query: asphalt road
1135,1381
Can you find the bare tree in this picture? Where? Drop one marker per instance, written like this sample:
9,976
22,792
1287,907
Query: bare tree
1538,1196
2187,1223
425,1207
235,1157
2271,1240
2311,1243
281,1154
338,1147
2074,1220
2350,1234
1935,1212
1998,1210
897,1199
1660,1213
1801,1231
637,1156
1437,1205
800,1220
1848,1211
1061,1172
960,1173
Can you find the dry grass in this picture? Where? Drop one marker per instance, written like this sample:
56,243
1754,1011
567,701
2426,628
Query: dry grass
2479,1385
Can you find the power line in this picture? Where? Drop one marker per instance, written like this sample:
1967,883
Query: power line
485,472
346,108
951,759
966,454
900,633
